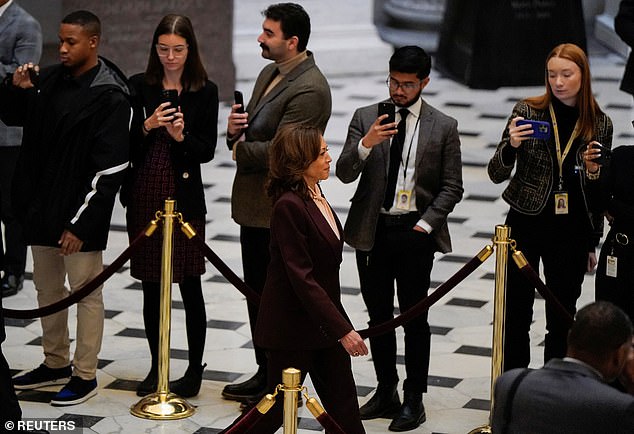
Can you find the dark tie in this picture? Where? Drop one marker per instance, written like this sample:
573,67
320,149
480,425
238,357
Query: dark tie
396,152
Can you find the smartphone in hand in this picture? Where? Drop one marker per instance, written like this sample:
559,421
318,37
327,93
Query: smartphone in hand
34,76
606,154
238,99
541,129
387,108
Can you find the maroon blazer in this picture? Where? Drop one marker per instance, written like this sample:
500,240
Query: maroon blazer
301,305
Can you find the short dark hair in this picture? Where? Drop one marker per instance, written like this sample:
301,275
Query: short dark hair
194,73
293,149
86,19
599,329
411,60
293,20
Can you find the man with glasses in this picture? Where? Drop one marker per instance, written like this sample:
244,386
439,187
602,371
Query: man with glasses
411,179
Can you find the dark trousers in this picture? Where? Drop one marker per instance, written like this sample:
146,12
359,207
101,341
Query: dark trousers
406,256
14,247
563,252
255,260
195,318
620,289
9,407
331,373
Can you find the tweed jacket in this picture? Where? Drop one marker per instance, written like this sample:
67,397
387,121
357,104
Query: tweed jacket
302,96
20,43
532,181
301,305
438,175
561,397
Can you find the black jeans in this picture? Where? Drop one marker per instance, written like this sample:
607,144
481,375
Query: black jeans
14,247
563,251
255,261
404,256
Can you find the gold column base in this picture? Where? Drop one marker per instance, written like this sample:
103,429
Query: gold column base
484,429
162,406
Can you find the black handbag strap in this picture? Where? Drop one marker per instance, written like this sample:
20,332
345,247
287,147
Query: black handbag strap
506,417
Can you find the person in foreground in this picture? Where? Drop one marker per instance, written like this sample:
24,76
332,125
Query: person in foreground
291,89
301,321
572,394
410,180
170,138
71,165
549,215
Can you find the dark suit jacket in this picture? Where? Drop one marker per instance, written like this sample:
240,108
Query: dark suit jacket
302,96
20,43
562,397
624,27
438,175
301,305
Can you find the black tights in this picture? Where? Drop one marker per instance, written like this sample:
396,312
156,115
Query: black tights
195,317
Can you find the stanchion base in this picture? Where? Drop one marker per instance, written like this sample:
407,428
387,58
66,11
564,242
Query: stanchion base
484,429
162,406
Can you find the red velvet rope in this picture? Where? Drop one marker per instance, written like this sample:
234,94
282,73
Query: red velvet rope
425,303
252,296
529,273
245,423
84,290
329,424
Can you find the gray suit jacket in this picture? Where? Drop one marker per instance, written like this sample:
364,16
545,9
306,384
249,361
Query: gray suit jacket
438,175
20,43
562,397
302,96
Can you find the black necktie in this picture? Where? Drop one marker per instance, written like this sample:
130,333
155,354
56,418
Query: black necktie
396,152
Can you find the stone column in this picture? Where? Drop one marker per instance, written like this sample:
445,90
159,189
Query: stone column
604,28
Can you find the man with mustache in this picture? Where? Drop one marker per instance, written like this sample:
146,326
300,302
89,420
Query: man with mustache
292,89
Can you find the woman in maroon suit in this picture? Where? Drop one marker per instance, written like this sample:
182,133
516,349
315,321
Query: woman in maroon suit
301,321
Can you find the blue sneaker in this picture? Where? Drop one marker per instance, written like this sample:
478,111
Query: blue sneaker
75,392
42,376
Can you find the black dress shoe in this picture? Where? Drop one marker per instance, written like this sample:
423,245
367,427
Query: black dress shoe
411,415
248,391
10,284
149,383
385,403
189,385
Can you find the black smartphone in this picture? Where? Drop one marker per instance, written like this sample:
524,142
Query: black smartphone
387,108
34,76
239,99
170,96
606,154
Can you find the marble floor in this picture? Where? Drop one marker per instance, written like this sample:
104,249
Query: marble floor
459,384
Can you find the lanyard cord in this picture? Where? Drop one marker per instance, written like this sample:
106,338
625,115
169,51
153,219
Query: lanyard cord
561,157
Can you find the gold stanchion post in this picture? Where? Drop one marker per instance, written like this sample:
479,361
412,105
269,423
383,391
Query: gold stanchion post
163,405
502,240
291,379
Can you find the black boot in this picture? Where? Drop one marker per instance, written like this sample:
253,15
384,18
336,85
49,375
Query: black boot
189,384
251,390
149,383
412,413
384,403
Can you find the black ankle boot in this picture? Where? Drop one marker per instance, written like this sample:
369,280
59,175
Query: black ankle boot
149,383
251,390
189,384
411,414
384,403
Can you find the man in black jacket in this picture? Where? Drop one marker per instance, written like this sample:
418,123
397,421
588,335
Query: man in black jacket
74,153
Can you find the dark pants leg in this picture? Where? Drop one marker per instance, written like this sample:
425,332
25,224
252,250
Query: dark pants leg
14,248
9,406
195,318
254,243
403,255
331,372
151,317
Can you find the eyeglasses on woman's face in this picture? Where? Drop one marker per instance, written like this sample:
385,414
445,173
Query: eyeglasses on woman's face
177,51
